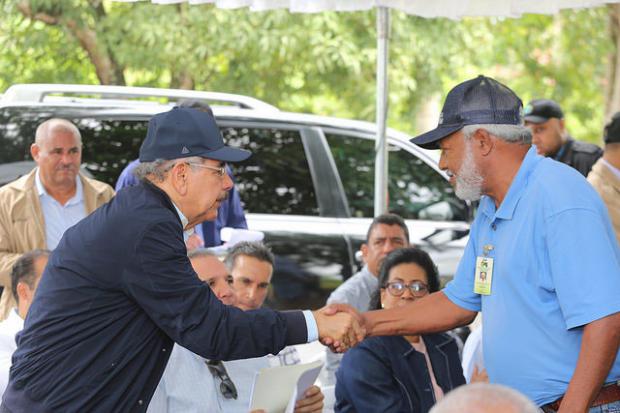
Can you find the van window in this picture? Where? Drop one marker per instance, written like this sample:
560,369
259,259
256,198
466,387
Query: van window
415,190
276,178
108,145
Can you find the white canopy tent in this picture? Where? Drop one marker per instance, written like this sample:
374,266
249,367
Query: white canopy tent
452,9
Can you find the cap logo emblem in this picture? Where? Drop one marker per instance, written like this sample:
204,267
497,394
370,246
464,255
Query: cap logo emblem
528,109
440,118
184,151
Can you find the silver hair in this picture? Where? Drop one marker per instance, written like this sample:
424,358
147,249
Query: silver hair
484,398
54,125
255,249
518,134
201,252
159,168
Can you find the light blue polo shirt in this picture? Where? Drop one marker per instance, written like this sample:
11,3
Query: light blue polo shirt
556,267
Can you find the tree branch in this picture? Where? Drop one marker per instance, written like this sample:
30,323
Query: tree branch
26,10
106,68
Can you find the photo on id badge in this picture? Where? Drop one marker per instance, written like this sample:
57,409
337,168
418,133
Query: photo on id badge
483,276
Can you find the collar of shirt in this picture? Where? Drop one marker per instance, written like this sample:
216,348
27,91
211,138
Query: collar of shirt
77,198
518,185
612,168
367,273
184,221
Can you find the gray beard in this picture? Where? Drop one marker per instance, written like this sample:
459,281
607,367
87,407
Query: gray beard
468,180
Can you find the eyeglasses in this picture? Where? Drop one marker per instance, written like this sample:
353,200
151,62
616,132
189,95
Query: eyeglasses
227,387
397,288
221,170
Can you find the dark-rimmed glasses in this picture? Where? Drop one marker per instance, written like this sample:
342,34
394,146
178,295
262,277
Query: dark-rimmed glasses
397,288
220,170
227,387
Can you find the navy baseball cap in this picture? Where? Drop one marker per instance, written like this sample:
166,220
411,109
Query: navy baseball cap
183,132
541,110
476,101
612,130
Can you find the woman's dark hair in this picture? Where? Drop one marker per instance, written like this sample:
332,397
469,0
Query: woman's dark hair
410,255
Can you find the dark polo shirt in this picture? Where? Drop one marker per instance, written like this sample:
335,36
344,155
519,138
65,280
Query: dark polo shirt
116,294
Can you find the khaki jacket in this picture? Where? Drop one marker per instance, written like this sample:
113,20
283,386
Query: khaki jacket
22,226
607,185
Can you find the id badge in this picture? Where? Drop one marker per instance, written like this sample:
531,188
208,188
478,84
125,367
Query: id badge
483,276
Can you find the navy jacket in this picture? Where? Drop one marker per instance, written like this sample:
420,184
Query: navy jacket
386,374
116,294
580,155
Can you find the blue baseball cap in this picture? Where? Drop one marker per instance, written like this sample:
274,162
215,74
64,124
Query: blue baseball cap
183,132
541,110
476,101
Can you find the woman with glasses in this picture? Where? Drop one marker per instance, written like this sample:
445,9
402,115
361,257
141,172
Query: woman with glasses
400,373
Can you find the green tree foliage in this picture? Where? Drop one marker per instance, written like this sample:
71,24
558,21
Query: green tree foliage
320,63
562,57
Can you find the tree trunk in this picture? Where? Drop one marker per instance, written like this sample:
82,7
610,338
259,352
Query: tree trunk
181,80
107,69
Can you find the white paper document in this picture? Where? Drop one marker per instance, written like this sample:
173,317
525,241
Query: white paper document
277,389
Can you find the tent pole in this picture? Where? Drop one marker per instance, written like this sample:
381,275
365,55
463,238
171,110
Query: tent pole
381,153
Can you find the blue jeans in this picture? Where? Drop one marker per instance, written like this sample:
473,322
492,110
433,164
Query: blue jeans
613,407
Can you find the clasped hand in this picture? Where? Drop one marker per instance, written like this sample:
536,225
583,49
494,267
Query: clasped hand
340,326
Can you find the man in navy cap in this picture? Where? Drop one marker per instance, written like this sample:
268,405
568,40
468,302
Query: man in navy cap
229,214
541,263
545,119
119,289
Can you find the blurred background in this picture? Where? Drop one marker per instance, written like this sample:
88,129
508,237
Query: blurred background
321,63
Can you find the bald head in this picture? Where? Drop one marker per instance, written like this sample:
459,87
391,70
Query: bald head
484,398
56,125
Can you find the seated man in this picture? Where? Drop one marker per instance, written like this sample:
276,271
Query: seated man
25,277
192,384
485,398
251,267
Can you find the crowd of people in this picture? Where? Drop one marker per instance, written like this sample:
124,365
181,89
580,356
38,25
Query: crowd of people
133,311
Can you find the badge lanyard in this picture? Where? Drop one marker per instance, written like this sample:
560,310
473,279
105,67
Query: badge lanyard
484,272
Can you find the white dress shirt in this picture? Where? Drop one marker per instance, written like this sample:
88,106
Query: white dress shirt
8,329
58,218
188,386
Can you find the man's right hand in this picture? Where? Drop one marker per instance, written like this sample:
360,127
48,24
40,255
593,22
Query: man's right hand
340,326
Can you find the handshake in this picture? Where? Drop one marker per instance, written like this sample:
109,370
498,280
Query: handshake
340,326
